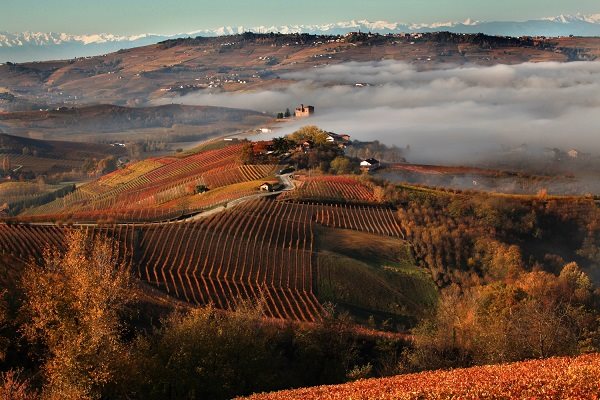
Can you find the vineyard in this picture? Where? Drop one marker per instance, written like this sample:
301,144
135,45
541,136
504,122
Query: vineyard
260,249
41,165
377,220
333,188
555,378
256,246
154,189
11,192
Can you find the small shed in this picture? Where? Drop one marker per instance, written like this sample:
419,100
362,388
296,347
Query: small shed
266,187
370,164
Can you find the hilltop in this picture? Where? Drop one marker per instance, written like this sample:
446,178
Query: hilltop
37,46
249,61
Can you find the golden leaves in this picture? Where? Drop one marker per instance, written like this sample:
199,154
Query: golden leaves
554,378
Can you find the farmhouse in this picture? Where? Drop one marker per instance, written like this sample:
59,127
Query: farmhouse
266,187
335,138
370,164
302,111
573,153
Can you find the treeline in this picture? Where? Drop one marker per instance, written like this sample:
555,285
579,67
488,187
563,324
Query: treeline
377,150
76,326
518,276
238,41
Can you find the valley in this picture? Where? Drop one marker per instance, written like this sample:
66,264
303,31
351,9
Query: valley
430,209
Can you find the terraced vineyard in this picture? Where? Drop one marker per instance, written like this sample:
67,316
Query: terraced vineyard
262,248
237,254
379,220
146,191
333,188
41,164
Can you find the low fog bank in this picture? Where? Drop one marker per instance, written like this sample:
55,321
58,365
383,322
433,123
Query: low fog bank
450,114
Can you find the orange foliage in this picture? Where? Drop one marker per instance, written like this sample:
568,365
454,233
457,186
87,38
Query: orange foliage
554,378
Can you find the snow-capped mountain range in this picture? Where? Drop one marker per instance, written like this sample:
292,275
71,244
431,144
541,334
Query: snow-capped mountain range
30,46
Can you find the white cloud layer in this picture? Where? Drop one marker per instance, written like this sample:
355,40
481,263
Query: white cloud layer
444,114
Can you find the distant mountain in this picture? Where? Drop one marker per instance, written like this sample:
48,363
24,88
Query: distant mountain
28,46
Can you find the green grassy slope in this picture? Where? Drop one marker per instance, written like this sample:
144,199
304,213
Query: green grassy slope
370,275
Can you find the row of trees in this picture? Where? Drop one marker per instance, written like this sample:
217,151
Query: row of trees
286,114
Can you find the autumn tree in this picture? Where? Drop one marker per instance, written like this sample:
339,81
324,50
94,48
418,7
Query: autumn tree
340,165
247,154
106,165
72,306
15,387
310,132
533,315
6,164
206,353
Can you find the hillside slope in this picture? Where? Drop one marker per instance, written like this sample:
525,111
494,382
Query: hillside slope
249,61
56,149
169,122
555,378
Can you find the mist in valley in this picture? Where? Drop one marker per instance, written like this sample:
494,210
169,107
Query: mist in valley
449,114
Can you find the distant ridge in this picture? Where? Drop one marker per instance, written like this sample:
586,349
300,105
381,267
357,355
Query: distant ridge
39,46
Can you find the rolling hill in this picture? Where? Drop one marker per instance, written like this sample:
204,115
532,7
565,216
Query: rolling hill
111,123
39,46
249,61
555,378
56,149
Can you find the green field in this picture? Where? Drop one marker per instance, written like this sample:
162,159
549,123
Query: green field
370,275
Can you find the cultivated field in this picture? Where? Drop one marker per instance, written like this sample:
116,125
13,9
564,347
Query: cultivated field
156,189
332,188
262,248
555,378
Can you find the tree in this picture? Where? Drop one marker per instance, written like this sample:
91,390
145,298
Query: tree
287,113
106,165
282,145
533,315
340,165
72,305
280,115
247,154
310,132
208,354
6,164
4,342
13,387
201,189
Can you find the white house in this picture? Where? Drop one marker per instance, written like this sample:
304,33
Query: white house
266,187
370,164
573,153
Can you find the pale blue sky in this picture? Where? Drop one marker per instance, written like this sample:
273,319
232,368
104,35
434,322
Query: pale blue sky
165,17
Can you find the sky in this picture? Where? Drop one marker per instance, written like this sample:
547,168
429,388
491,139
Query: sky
127,17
